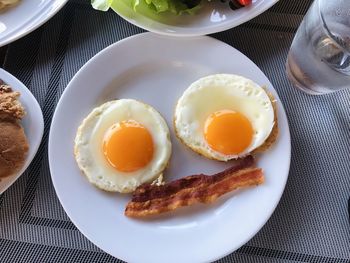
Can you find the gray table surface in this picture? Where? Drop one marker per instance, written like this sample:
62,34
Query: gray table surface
310,223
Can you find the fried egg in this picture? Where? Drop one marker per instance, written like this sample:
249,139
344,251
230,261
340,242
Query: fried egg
122,144
224,116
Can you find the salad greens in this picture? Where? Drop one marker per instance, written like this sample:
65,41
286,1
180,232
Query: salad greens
153,6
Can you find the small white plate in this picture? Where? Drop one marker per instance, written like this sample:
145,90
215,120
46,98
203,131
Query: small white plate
25,17
157,69
214,16
33,124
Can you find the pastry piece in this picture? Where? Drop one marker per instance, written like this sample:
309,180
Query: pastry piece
10,107
13,147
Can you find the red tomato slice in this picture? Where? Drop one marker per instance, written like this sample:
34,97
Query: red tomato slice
245,2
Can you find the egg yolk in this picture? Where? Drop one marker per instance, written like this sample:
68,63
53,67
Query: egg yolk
128,146
228,132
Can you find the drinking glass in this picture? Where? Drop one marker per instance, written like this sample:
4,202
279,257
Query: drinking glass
319,58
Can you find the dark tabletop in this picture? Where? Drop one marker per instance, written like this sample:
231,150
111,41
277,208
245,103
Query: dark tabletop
311,222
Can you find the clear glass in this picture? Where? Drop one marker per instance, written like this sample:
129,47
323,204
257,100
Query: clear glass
319,58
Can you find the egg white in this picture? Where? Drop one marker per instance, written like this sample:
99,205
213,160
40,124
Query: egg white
222,92
88,148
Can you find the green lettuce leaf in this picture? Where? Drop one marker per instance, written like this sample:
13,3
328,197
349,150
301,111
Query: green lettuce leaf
150,6
102,5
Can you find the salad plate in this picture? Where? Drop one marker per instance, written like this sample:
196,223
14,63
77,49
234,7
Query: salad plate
207,17
24,17
158,77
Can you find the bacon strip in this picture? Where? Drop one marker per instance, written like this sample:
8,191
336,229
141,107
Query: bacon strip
152,199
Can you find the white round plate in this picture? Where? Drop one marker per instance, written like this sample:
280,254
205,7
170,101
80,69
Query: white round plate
25,17
33,124
214,16
156,70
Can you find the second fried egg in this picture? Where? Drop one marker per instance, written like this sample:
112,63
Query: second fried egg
224,116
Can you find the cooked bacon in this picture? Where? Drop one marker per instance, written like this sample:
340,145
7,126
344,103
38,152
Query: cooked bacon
152,199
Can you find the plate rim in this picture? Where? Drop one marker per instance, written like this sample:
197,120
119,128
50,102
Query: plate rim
204,31
29,27
91,60
36,107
